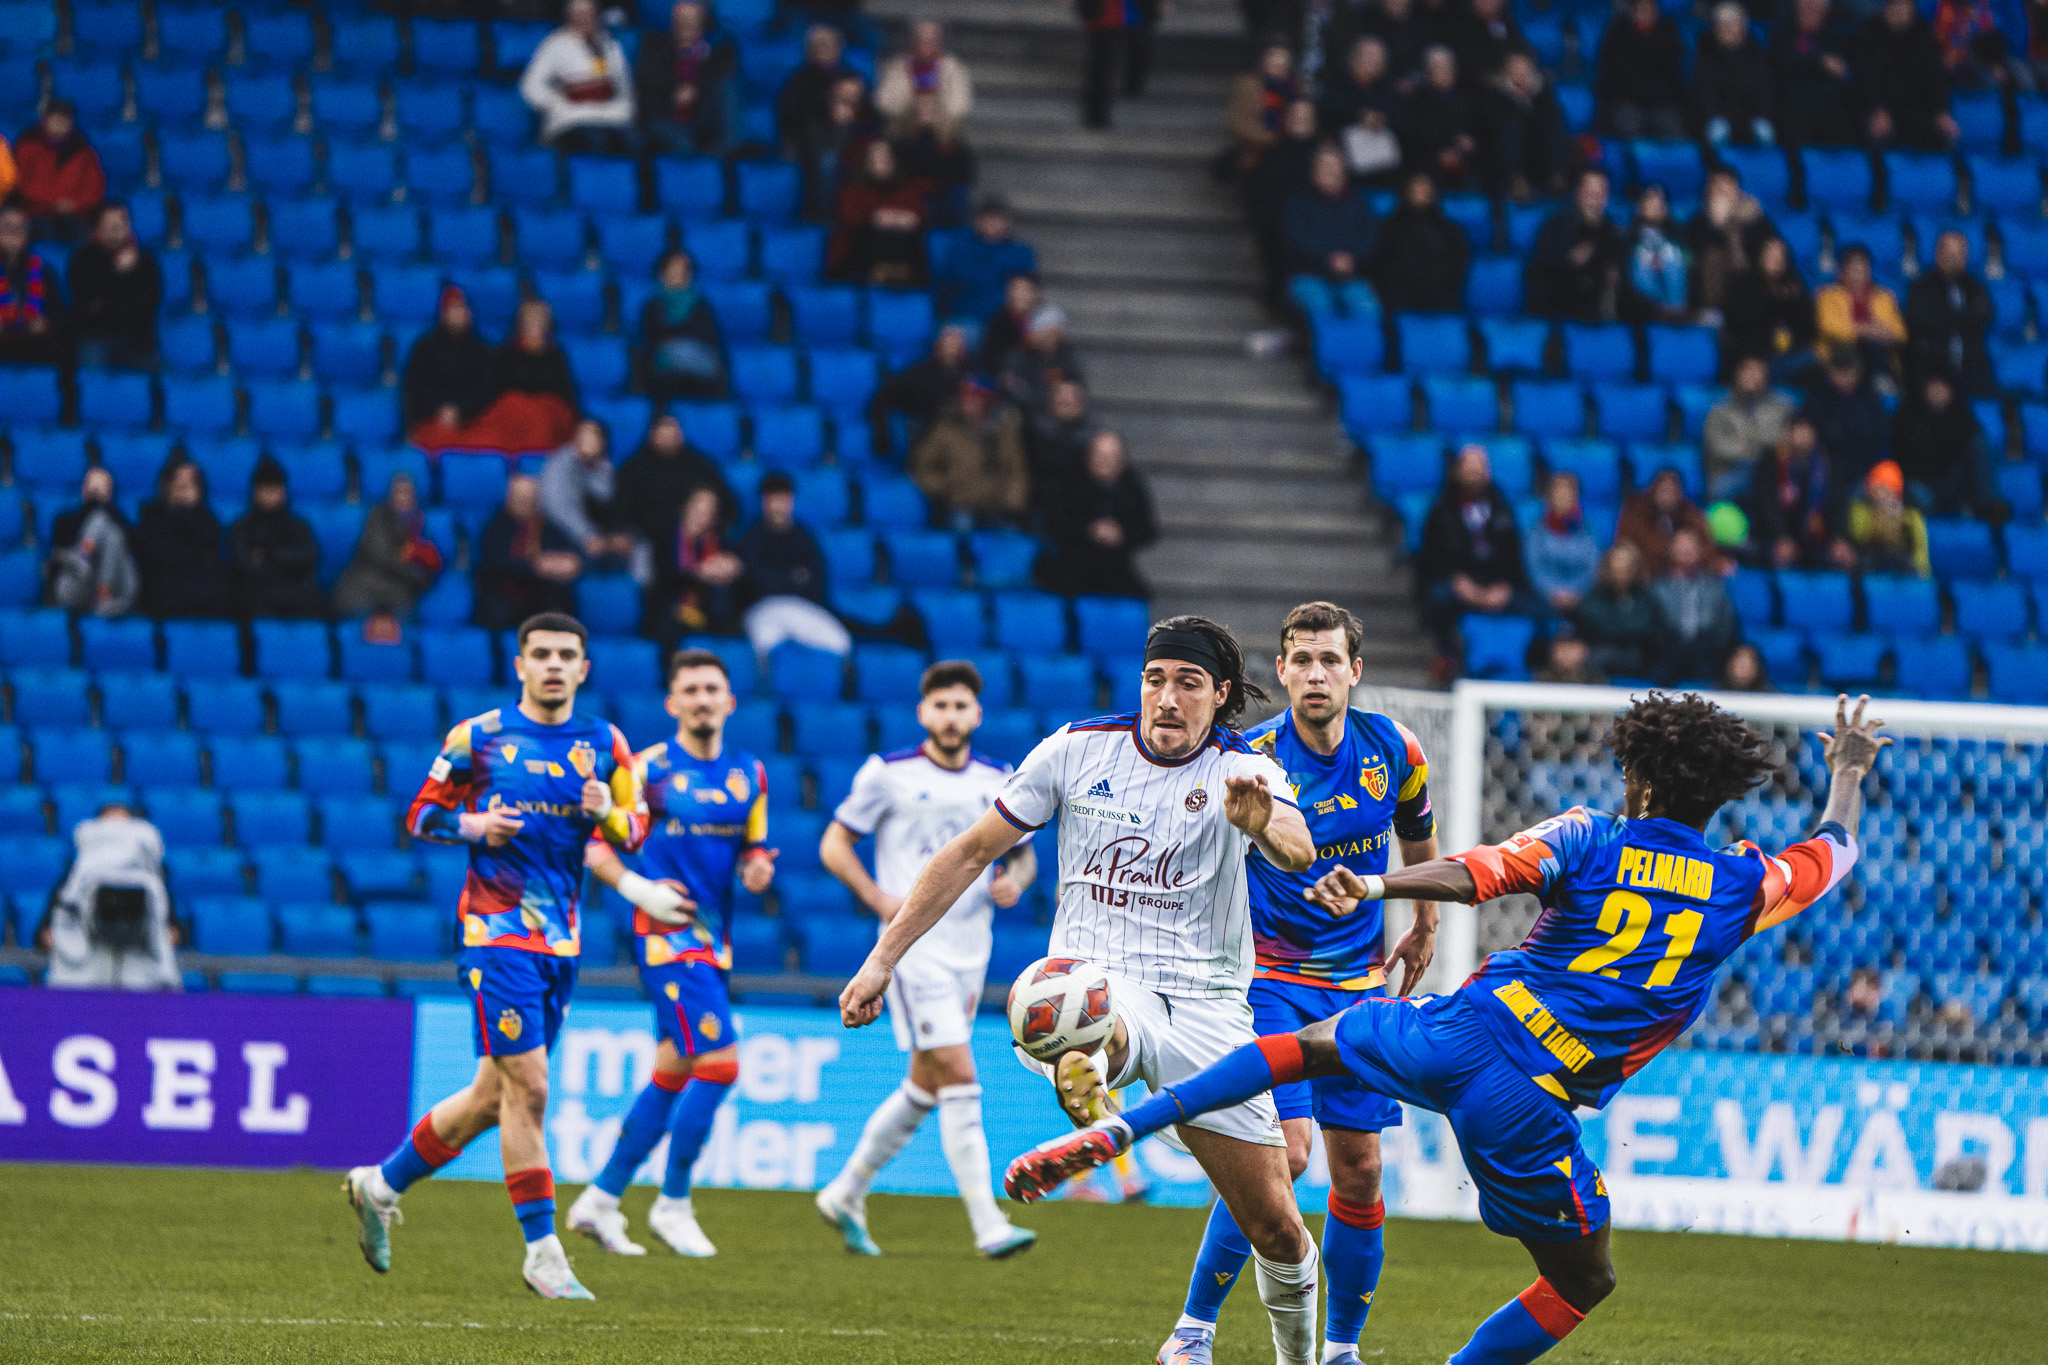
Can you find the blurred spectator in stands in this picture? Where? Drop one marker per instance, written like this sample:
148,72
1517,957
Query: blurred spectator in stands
59,180
1057,441
1423,256
451,375
523,564
971,462
782,557
1858,314
1044,360
1639,81
1564,558
30,300
1767,310
116,288
684,80
1440,127
829,152
276,554
1652,516
1888,535
579,84
655,482
1696,625
1471,555
1330,234
1483,33
394,562
1279,171
1616,619
578,497
1097,523
178,548
1657,281
1847,415
1792,505
1361,94
8,172
109,925
1948,315
1731,82
1973,50
1814,86
1005,328
91,570
1865,996
1117,46
926,69
1722,241
680,335
803,107
879,232
971,275
1407,36
1744,671
1575,264
932,151
1903,81
1259,98
1940,447
1324,33
536,405
697,588
1749,420
916,392
1568,659
1531,147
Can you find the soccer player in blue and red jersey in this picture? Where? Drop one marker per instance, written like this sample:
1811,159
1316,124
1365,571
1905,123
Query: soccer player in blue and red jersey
525,787
1362,782
1638,913
709,809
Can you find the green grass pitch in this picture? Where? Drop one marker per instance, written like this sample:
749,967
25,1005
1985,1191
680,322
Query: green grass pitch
125,1264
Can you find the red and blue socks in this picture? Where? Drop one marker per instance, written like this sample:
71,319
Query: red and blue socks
1354,1249
1218,1263
645,1122
533,1201
419,1156
691,1122
1251,1070
1521,1329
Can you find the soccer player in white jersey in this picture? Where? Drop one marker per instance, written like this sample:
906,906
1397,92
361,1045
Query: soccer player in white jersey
1157,809
914,802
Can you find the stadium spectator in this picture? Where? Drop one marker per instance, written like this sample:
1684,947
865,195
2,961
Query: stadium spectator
1859,314
579,84
178,548
1057,441
450,375
1745,671
1361,95
1423,256
1815,89
578,497
657,480
1531,146
1722,241
1696,625
1731,82
697,587
1793,517
1940,447
803,107
1278,172
1568,659
1768,310
1564,559
58,177
1976,54
1657,283
1407,36
1117,45
1575,264
116,288
781,555
680,336
1749,420
879,227
1482,33
1887,534
1652,516
29,298
109,924
276,555
1471,555
1259,98
829,152
1903,82
1847,415
8,172
91,570
918,391
1097,523
394,563
684,81
523,564
1616,619
975,268
925,69
1044,359
1440,127
536,407
1948,316
932,151
1329,233
1639,78
971,462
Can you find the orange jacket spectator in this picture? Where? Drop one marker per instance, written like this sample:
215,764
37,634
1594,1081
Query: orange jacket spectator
7,171
58,171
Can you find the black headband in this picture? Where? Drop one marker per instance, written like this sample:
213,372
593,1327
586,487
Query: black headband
1186,646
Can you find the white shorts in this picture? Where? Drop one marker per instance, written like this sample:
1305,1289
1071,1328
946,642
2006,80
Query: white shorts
931,1002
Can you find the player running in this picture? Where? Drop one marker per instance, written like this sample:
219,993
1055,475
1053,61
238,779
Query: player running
1362,781
1638,913
709,812
1157,809
525,789
914,801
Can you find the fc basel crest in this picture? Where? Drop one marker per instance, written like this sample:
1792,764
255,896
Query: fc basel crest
583,759
736,783
1373,777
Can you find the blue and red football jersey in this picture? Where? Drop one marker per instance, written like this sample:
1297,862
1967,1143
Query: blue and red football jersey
1374,789
704,815
1637,915
525,894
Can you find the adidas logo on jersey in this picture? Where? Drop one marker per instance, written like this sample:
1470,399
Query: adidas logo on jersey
1101,792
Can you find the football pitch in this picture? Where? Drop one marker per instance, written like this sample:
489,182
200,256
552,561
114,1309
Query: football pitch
129,1264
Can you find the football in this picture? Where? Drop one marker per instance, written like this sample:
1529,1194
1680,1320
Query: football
1060,1004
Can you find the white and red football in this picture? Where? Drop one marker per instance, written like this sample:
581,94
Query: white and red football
1059,1005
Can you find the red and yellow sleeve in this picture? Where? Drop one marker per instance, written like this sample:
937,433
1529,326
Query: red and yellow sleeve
757,814
436,810
626,827
1801,875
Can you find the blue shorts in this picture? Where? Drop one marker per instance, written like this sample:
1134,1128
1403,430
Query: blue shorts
692,1007
1521,1146
520,997
1334,1101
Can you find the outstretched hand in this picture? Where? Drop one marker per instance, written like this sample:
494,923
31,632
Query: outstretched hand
1248,803
1339,891
1855,742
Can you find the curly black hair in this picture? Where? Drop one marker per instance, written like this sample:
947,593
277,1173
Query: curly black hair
1228,651
1694,756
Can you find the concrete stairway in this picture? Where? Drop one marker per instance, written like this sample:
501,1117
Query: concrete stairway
1260,502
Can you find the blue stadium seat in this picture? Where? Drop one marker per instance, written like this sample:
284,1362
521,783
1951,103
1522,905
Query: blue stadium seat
366,42
1348,346
342,106
266,346
225,706
317,930
429,114
1755,597
1921,182
1058,682
1545,407
608,604
549,237
523,175
407,930
1599,350
1460,403
767,191
366,171
68,755
106,398
219,223
1631,412
1846,658
188,817
51,696
1961,547
825,315
764,374
138,701
886,674
1029,622
1783,651
900,323
380,233
849,554
40,639
1987,611
1497,646
307,707
1473,213
1514,343
292,649
116,643
473,480
891,502
2019,366
401,711
282,39
31,395
1937,668
1002,559
1901,604
358,823
500,117
169,95
449,47
1817,599
1433,342
194,161
279,165
608,186
457,656
464,236
202,649
1595,463
235,925
922,559
2020,486
112,28
827,728
952,619
245,763
271,819
1680,355
628,242
2005,185
1674,165
95,89
334,764
1646,459
620,662
1838,179
800,671
1494,285
1514,464
692,187
600,364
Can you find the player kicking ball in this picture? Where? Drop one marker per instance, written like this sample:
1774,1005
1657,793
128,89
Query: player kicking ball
1156,810
525,789
914,802
1639,912
708,811
1362,782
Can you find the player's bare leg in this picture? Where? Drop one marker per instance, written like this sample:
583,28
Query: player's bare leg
1572,1278
522,1139
451,1125
596,1213
1252,1180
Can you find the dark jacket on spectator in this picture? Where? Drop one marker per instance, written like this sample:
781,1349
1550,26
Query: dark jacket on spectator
1946,323
1766,319
178,551
660,326
971,278
1620,627
1735,86
657,72
507,589
1432,123
1939,452
1901,72
391,566
804,105
1080,564
1422,260
785,563
543,371
651,491
1315,226
1554,286
1813,105
1490,553
458,368
1643,69
115,305
1799,501
1853,427
277,563
917,392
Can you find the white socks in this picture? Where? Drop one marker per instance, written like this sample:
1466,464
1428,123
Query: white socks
1289,1293
967,1153
892,1125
